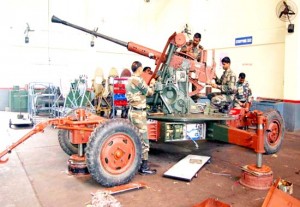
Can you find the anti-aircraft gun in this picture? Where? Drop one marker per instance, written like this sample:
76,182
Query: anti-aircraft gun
177,71
110,150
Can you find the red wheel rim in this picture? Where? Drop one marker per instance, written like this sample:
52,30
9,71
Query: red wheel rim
117,154
273,135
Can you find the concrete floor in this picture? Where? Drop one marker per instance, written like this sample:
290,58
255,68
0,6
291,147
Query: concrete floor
36,174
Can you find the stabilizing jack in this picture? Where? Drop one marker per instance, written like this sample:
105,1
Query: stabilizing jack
258,176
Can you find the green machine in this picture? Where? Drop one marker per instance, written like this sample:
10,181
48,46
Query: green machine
18,102
78,95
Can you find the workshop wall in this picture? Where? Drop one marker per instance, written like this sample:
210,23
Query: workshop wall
221,22
57,53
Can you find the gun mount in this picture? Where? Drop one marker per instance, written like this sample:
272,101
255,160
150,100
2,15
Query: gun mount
177,72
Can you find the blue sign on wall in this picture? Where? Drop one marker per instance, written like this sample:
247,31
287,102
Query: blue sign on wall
243,41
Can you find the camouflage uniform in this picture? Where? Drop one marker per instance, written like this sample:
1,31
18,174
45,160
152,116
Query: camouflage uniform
228,88
195,52
243,93
136,92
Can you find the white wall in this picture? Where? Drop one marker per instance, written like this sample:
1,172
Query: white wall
58,53
292,62
220,22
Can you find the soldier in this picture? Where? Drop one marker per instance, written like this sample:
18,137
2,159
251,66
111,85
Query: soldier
227,85
244,93
148,70
193,48
136,92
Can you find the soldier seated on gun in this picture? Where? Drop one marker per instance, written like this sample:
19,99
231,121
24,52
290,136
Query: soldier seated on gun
244,93
192,48
227,85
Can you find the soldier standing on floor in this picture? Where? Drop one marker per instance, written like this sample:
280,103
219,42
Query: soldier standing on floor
136,92
226,84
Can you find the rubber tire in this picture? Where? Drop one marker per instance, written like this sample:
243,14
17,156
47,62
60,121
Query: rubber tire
94,147
64,138
65,144
273,117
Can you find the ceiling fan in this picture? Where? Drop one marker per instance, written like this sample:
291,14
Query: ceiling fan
286,11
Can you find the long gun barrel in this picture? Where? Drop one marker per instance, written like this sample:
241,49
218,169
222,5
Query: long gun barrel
133,47
55,19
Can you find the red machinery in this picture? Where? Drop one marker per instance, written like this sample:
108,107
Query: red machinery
110,150
111,160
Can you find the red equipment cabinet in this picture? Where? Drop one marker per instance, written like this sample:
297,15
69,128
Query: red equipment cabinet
119,98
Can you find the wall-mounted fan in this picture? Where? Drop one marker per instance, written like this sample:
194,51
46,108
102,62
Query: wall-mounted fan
286,11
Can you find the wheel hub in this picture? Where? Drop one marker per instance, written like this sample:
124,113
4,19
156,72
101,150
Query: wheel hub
117,154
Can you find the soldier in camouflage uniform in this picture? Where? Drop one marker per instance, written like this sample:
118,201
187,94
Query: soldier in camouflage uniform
136,92
227,84
193,48
243,94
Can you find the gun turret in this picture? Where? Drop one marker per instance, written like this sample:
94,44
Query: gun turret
177,71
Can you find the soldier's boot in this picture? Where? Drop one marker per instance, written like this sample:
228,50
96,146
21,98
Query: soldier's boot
145,169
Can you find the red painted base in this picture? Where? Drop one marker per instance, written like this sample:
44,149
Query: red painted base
77,166
256,180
